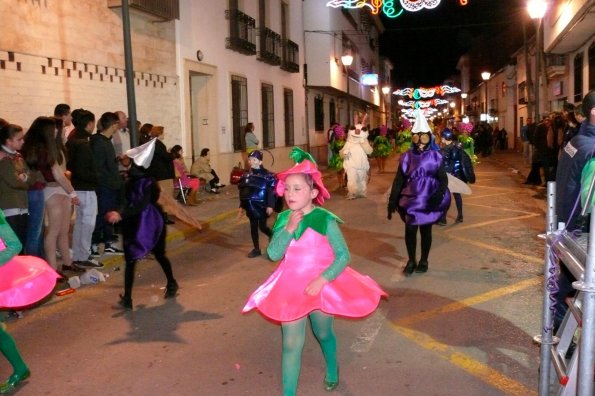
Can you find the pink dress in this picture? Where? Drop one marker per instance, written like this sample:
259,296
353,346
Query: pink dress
282,298
24,280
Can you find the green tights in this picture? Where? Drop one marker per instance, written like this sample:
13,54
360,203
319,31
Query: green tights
294,334
9,349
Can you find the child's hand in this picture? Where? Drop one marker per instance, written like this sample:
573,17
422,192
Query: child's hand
315,286
269,211
240,213
294,221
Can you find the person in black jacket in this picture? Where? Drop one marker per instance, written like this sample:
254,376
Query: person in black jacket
257,198
457,163
83,177
109,183
162,166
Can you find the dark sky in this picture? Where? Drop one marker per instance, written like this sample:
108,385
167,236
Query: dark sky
425,46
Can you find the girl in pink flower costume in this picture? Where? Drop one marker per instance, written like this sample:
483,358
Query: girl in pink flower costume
313,279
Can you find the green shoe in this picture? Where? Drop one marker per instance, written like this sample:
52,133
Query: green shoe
330,386
13,382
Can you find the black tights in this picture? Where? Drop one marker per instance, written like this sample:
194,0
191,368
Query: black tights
255,224
411,240
159,252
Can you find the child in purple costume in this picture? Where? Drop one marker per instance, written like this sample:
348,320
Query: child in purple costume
419,193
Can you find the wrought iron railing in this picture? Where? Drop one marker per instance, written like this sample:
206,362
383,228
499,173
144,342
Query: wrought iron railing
270,47
242,29
290,60
165,9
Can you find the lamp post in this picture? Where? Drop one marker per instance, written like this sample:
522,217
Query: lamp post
347,60
537,9
486,77
463,97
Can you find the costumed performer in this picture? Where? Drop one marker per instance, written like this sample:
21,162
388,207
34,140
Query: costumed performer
382,148
312,279
355,158
419,192
467,141
335,162
143,222
457,163
24,280
257,198
403,140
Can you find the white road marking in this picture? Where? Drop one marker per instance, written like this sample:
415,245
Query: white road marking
369,331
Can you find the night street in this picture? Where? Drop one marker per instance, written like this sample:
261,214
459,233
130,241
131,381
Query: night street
463,328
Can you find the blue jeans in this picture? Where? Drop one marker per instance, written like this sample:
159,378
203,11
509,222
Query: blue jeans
34,240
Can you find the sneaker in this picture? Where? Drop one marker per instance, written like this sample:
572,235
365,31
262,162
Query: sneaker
87,264
111,249
213,191
95,250
219,185
254,253
442,222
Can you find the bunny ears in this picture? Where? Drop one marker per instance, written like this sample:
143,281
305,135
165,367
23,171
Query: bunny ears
306,164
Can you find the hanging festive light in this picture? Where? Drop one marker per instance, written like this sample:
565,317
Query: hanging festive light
418,93
388,7
422,104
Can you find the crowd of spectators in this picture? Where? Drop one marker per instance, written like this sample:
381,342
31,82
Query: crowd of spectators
61,175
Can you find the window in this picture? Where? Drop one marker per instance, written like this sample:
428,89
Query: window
332,115
592,66
578,77
318,113
288,111
239,110
268,116
242,30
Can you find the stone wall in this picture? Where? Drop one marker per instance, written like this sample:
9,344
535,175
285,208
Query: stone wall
72,51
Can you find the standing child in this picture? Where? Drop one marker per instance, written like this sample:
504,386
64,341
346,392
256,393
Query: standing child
143,222
312,280
257,198
419,192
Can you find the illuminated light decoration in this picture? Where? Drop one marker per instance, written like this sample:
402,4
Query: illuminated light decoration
388,7
418,93
422,104
369,79
417,5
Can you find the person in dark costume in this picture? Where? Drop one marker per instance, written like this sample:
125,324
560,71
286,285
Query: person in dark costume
457,163
143,223
257,198
419,192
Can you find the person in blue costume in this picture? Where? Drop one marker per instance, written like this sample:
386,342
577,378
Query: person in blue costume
143,223
457,163
257,198
419,193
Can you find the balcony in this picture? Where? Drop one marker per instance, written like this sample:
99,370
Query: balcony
166,10
270,47
242,29
555,65
290,60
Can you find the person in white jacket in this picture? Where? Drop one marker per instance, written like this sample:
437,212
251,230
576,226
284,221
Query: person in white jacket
355,158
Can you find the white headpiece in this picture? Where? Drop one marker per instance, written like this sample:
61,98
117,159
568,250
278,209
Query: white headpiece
421,124
143,154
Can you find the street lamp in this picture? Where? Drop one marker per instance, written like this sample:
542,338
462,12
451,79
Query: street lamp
463,97
537,9
486,77
347,60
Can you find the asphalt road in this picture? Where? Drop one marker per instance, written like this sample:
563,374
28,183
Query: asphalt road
463,328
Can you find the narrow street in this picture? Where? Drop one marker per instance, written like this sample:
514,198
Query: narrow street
463,328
